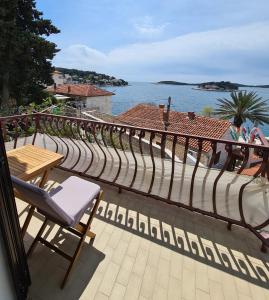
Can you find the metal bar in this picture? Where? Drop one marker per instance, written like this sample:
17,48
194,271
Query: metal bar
46,132
240,195
72,140
186,149
245,160
131,134
173,168
59,136
16,134
224,168
152,136
86,144
115,130
198,157
213,156
102,150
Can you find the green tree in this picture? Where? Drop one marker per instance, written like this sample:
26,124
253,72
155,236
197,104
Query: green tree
243,106
25,54
207,111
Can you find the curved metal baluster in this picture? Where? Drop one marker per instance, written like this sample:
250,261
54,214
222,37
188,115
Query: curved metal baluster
152,136
211,162
35,120
4,129
116,150
173,167
100,147
262,168
106,138
86,144
198,157
213,156
15,134
186,149
131,134
72,140
47,132
103,127
59,136
226,164
245,160
122,131
141,136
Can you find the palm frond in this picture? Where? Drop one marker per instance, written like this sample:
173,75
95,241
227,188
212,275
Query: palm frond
244,106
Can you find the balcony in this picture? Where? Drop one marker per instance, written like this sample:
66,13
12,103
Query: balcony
148,249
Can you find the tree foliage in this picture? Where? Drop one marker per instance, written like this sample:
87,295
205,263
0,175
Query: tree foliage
25,54
243,106
207,111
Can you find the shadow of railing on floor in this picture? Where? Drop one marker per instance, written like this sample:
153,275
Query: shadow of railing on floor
201,238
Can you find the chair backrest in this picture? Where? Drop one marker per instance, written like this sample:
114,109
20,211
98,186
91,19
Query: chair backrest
39,198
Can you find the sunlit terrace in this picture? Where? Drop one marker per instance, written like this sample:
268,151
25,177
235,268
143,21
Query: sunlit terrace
167,228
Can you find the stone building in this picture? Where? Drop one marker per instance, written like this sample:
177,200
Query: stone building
85,96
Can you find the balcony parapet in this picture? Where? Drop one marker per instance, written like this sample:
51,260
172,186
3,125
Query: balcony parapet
157,164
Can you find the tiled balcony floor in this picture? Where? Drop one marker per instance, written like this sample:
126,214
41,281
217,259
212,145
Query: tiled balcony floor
145,249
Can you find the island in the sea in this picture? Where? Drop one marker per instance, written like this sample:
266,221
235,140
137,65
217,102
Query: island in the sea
225,86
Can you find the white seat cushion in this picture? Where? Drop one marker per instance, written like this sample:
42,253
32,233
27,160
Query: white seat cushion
74,196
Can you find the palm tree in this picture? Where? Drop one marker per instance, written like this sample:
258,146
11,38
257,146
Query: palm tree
243,106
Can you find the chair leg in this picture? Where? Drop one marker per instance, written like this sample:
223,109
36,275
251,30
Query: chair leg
93,212
75,257
40,232
86,232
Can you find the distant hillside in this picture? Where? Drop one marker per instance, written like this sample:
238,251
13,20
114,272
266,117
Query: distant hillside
91,77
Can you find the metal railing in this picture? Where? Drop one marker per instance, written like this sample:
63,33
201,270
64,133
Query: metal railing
155,163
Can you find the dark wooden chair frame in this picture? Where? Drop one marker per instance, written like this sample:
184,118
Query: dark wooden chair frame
81,230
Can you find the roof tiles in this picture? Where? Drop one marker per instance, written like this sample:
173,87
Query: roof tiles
149,116
85,90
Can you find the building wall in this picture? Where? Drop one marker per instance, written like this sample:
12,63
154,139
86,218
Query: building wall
58,78
101,103
221,147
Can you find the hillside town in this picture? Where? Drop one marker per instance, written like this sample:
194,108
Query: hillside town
73,76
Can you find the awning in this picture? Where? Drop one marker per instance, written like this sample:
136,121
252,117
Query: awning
61,97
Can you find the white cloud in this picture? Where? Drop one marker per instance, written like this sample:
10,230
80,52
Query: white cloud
224,52
146,28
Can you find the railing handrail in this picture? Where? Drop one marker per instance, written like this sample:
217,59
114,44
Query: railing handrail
126,126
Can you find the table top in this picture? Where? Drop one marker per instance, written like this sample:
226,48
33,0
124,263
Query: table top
29,161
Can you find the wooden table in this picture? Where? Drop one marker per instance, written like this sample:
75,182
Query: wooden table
29,162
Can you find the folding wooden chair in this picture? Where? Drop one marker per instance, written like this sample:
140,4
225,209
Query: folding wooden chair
65,206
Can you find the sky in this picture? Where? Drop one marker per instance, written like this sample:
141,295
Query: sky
152,40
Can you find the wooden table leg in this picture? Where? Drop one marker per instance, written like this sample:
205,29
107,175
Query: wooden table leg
32,208
44,179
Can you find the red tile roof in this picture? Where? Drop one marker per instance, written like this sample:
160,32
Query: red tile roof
149,116
252,170
85,90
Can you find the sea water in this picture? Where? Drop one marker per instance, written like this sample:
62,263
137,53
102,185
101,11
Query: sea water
184,97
